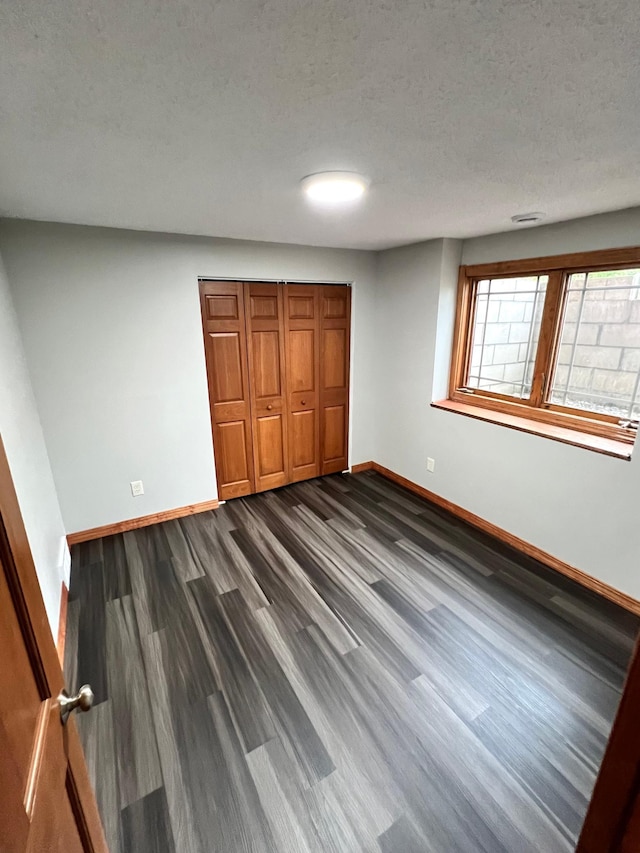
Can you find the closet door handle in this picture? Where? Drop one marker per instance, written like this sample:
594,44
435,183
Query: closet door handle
269,407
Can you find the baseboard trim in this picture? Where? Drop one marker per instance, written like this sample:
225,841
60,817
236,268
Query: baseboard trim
62,623
361,466
142,521
622,599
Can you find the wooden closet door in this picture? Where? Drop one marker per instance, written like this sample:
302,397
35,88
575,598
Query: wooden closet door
335,325
302,332
223,320
265,340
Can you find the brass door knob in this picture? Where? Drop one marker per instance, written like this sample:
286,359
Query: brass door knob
82,700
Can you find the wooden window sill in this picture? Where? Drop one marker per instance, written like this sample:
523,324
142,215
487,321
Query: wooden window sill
608,446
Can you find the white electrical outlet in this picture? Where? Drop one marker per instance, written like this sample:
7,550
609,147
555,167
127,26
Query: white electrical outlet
137,488
431,465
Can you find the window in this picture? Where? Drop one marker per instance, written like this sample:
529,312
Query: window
552,340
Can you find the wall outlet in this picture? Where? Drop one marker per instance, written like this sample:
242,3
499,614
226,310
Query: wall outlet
137,488
431,465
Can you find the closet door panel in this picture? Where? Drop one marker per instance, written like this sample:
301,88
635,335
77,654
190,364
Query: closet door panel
304,432
266,364
334,426
335,325
266,348
222,305
263,305
302,326
226,350
270,450
301,300
335,360
302,361
231,452
336,302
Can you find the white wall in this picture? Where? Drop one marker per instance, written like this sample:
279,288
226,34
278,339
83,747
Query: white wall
578,505
605,231
407,314
112,331
31,473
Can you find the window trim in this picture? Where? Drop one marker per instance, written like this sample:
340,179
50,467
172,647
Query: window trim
558,268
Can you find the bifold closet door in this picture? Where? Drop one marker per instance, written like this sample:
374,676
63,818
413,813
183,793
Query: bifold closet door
278,372
268,383
335,325
223,320
302,333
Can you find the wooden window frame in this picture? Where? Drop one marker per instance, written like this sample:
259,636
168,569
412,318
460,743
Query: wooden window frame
558,268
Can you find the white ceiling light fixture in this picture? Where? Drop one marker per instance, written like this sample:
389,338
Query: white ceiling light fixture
528,218
334,189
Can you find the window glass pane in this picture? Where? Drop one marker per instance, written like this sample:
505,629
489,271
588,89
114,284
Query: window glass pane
598,365
506,327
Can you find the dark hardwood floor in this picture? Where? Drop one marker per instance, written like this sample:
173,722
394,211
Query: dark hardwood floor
338,666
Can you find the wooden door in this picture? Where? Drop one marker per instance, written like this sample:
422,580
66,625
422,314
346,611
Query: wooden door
46,801
224,327
266,352
335,325
612,823
302,333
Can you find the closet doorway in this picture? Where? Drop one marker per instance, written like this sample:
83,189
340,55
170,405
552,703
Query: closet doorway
278,372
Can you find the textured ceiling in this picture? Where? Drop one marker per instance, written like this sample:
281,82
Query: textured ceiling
200,117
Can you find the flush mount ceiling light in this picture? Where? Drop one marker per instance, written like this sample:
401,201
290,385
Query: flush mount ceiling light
334,188
527,218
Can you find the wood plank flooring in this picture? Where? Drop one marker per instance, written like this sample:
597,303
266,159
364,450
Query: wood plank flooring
338,666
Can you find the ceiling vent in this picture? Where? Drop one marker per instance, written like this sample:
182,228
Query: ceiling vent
527,218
